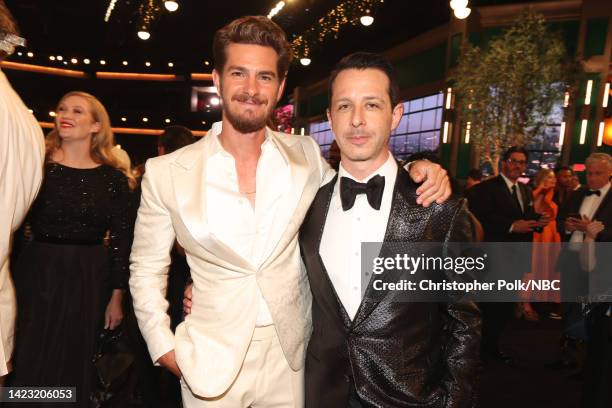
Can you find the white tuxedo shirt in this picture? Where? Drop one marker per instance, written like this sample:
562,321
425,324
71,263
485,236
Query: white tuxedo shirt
22,153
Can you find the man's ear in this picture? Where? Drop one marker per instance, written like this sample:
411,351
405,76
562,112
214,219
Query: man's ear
217,81
281,89
398,112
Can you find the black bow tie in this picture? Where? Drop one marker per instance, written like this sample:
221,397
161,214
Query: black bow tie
591,192
373,189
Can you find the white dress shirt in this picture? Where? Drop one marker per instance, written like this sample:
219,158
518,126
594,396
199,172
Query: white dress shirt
250,232
344,232
588,208
510,184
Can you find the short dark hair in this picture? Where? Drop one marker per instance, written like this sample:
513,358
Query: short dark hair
175,137
367,60
475,174
564,168
515,149
257,30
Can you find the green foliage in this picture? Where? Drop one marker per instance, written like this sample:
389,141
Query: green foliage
508,90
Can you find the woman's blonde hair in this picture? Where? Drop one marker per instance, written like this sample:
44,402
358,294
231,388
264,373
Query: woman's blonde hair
541,175
102,142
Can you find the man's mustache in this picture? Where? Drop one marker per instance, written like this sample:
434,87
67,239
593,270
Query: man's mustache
246,98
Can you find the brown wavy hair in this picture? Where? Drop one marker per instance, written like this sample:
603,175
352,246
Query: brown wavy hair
102,142
257,30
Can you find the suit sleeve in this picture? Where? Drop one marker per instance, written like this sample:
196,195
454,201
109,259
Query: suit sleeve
327,173
150,259
480,200
462,330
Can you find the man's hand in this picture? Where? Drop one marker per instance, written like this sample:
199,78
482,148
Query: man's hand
544,220
436,185
577,224
593,228
524,226
168,361
113,316
187,299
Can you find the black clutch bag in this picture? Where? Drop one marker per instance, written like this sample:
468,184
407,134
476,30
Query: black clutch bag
114,366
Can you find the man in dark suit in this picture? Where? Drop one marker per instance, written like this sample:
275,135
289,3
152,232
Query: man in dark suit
504,207
590,204
372,350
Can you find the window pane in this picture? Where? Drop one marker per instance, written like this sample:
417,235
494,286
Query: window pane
414,122
430,102
429,120
416,105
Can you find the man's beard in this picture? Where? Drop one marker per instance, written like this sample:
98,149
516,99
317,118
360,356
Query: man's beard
245,123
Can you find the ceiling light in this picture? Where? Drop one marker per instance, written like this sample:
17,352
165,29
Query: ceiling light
144,35
463,13
203,122
366,19
123,119
305,61
148,64
167,120
215,101
52,114
20,53
86,61
145,119
74,60
30,54
52,57
125,63
102,62
171,6
458,4
170,64
206,63
65,62
59,58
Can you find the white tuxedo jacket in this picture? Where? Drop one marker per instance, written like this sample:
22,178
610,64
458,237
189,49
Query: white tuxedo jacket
22,153
211,343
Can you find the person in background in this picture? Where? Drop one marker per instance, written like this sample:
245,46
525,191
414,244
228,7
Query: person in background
334,156
546,241
173,138
575,184
474,177
565,184
22,155
71,286
504,207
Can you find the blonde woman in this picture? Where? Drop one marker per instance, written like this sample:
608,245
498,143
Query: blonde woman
546,241
70,285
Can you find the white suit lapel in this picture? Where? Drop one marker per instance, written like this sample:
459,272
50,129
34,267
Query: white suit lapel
189,177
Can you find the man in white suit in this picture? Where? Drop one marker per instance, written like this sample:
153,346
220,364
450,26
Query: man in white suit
235,201
22,154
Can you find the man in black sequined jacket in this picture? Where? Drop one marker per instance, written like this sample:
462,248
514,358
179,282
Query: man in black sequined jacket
371,351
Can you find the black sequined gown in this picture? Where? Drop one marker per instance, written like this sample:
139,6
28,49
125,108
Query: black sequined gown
65,276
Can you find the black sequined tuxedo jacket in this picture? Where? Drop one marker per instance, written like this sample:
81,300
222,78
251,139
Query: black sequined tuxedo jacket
393,354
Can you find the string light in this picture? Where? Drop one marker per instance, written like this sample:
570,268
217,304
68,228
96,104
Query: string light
74,60
123,119
170,64
109,10
460,8
144,34
59,58
279,6
171,6
366,19
167,120
30,54
124,63
148,64
102,62
52,57
346,12
86,61
145,119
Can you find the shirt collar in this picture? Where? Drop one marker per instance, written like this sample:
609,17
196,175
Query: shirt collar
604,190
217,148
387,170
508,182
